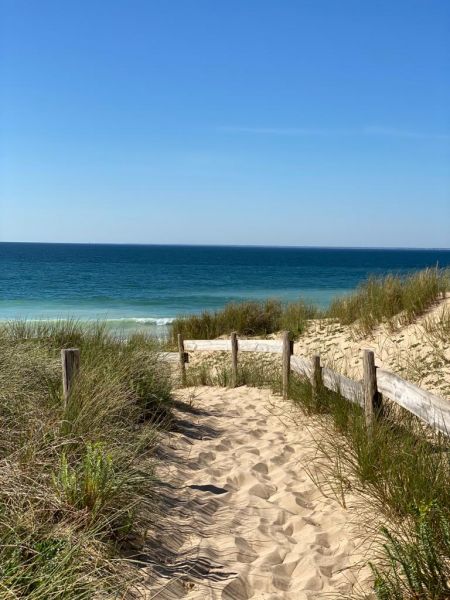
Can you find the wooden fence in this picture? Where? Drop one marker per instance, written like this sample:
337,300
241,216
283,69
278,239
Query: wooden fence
368,393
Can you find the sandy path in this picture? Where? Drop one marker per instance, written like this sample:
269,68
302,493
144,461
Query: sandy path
242,519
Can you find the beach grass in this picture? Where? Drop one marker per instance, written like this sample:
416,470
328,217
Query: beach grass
77,479
246,318
393,299
403,470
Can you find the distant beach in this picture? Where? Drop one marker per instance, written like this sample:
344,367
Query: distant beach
142,288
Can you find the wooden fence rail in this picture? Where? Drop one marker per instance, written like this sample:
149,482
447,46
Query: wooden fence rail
368,393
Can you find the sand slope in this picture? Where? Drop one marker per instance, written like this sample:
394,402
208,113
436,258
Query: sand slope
411,351
242,519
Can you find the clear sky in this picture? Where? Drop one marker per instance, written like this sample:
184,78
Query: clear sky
281,122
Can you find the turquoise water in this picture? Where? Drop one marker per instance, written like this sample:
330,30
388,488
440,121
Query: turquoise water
145,287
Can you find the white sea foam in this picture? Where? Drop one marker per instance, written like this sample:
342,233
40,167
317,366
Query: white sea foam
151,320
158,321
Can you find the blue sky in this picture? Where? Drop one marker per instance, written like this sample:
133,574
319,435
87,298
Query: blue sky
319,122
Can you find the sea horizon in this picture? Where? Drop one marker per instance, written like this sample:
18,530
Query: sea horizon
197,245
143,287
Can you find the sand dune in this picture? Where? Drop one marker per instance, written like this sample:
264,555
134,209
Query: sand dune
242,519
409,351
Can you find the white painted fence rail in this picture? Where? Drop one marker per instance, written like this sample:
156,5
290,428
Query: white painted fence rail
431,409
301,366
351,390
273,346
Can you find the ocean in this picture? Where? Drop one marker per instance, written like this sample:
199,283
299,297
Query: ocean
138,287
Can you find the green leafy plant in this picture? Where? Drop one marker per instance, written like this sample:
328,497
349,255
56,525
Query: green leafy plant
418,563
91,483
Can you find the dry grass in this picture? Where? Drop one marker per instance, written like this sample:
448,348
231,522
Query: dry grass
246,318
393,299
76,480
403,469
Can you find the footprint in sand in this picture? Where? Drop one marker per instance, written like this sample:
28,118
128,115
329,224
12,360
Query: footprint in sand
224,445
246,450
257,433
322,540
275,557
281,518
262,490
205,458
281,575
240,480
279,460
245,552
326,571
261,468
214,472
302,501
238,589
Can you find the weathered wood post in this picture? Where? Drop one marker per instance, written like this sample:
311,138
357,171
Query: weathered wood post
316,376
70,360
286,368
183,358
372,398
234,359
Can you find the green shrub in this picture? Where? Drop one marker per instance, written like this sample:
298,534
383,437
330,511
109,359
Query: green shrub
90,483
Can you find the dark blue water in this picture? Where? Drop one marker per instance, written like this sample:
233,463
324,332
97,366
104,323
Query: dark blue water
149,285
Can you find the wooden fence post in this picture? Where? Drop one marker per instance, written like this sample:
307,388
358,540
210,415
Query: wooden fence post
286,369
234,359
316,376
183,358
372,398
70,359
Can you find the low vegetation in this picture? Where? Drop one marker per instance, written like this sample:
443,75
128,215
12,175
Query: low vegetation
76,477
246,318
438,329
404,471
215,370
392,299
